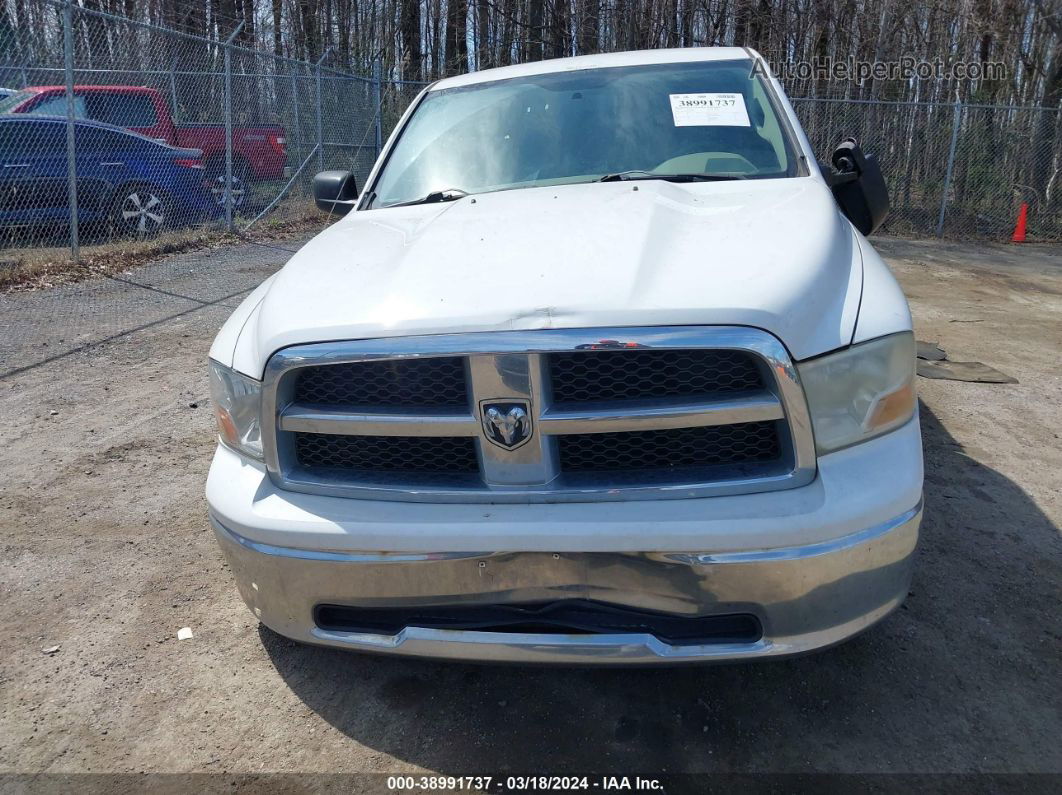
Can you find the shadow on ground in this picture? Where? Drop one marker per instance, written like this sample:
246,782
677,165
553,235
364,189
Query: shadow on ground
962,678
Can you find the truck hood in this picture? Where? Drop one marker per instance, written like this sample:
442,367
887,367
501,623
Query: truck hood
773,254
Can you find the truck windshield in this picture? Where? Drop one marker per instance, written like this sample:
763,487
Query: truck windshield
702,118
16,99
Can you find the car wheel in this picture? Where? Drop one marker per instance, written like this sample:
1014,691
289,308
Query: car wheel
140,211
239,186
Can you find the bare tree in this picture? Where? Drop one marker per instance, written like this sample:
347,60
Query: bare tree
411,36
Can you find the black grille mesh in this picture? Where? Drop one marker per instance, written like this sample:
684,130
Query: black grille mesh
413,383
632,374
679,448
433,455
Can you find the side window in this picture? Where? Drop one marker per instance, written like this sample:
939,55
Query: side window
47,138
9,135
56,106
33,139
21,140
122,110
97,141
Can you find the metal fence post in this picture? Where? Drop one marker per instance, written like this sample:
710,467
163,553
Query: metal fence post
71,159
320,126
298,125
228,126
377,69
956,122
173,89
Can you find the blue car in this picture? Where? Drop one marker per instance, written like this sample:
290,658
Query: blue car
126,183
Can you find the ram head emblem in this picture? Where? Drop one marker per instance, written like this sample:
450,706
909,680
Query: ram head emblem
507,423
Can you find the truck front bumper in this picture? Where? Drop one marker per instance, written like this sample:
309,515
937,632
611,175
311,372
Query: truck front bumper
805,598
851,540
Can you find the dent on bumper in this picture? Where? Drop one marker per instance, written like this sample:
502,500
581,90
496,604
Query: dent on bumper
806,597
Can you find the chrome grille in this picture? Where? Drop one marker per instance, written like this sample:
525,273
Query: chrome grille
610,414
589,376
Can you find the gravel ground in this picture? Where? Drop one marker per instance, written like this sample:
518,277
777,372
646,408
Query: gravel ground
107,553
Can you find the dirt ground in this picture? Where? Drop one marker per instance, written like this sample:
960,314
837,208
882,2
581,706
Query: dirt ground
107,553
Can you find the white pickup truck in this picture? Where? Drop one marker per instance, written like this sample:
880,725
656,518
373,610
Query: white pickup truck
599,368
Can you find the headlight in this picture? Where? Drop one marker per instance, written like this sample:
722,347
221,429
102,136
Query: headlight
861,392
237,404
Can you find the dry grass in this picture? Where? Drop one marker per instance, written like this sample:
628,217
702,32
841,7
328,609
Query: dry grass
39,268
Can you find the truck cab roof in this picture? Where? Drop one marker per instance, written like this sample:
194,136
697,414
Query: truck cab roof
599,61
82,87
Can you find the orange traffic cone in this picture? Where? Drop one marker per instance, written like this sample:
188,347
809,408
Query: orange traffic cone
1019,228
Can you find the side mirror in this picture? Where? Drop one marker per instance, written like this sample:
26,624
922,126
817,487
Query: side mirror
335,192
858,186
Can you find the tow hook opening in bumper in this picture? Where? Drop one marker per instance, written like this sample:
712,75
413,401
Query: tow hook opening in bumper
564,616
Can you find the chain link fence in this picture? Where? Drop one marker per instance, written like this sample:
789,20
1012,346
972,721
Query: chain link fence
113,130
953,170
117,130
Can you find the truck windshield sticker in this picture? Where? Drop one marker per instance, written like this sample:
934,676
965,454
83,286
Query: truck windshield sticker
709,110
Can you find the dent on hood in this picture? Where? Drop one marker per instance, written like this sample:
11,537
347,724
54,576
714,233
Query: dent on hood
772,254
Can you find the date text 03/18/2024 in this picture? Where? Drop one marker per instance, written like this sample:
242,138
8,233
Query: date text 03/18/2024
542,783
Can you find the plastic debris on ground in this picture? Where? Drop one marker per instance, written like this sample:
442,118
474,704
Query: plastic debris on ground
933,362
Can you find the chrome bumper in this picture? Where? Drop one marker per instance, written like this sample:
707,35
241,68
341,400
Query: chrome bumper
805,598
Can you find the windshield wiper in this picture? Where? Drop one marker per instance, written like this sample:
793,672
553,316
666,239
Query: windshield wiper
624,176
436,196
